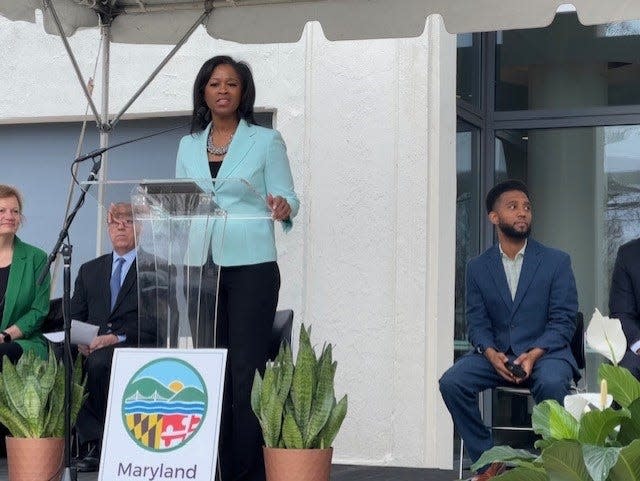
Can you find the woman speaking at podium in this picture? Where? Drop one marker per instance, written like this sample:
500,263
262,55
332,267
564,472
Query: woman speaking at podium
226,143
23,303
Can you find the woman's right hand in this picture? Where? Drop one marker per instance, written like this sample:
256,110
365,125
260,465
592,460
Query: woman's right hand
280,208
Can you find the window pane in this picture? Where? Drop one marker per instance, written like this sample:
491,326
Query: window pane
585,188
568,65
468,74
467,220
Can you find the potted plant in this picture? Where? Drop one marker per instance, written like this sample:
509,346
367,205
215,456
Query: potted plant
32,409
298,413
588,439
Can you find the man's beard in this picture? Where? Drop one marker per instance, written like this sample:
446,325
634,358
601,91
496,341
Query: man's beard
512,233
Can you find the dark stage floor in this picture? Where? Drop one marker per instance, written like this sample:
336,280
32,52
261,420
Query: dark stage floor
338,473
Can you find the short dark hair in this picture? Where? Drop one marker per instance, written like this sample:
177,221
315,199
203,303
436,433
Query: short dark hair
501,188
201,115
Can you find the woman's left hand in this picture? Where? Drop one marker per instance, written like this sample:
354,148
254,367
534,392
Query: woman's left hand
280,208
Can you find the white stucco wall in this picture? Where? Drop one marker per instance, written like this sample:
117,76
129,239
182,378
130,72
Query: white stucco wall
370,130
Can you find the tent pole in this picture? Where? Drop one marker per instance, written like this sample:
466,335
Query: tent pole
48,4
153,74
105,129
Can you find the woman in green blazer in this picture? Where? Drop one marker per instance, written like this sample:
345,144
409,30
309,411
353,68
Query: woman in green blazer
226,145
24,304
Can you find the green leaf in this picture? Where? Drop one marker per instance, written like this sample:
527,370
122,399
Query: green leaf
15,424
34,408
564,460
13,386
552,421
285,378
502,454
630,428
330,430
622,385
291,435
524,472
599,460
271,418
256,390
54,421
48,377
628,466
303,384
324,398
541,444
596,426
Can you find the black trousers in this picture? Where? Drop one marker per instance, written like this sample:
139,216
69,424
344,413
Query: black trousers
247,302
12,350
91,418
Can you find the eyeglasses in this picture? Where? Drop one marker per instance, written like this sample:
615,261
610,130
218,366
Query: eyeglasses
120,223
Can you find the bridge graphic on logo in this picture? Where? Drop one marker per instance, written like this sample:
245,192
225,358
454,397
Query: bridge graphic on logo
164,404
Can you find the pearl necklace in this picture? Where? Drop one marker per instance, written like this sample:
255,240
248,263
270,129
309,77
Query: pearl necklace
215,150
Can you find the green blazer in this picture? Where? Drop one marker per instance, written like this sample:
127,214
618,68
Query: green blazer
26,304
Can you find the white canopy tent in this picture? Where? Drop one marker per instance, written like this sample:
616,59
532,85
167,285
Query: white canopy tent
272,21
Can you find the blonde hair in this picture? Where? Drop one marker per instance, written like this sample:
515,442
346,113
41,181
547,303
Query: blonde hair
7,191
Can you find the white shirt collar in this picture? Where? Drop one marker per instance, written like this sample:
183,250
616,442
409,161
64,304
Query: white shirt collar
519,254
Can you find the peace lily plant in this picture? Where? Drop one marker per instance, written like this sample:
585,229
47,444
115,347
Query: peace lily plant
588,439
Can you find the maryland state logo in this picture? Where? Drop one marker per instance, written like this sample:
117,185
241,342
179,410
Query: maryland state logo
164,404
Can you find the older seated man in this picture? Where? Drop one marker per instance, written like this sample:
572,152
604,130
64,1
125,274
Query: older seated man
106,295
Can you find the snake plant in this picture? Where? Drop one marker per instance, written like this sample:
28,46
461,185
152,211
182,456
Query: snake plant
295,403
32,395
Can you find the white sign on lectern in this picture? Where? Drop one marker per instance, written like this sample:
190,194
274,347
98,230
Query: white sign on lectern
163,416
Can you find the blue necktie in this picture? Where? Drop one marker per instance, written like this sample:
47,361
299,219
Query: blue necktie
115,281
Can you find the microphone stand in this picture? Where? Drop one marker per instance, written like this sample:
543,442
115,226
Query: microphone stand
70,472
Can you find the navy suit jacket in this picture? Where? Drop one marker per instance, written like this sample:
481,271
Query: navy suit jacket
543,312
91,302
624,297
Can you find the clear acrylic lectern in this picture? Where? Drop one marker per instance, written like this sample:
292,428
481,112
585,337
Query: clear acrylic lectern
180,229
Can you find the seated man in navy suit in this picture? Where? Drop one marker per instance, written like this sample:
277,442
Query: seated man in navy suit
624,301
106,295
521,304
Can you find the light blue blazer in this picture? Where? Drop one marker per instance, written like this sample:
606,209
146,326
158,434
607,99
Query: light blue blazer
258,156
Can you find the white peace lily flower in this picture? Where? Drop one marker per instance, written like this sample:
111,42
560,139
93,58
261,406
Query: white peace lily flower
605,336
579,404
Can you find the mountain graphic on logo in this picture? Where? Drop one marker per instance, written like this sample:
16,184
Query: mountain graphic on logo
147,388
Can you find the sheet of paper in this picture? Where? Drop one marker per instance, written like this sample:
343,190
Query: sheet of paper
81,333
56,336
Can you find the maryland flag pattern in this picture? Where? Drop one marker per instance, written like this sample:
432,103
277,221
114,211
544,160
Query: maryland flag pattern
146,428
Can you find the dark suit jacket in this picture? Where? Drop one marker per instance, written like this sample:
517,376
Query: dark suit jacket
624,297
542,313
27,303
91,302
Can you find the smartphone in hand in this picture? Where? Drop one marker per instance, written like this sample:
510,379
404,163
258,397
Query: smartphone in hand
515,369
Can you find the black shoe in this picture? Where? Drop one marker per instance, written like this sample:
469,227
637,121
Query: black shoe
88,464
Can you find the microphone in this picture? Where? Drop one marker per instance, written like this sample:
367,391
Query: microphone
102,150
